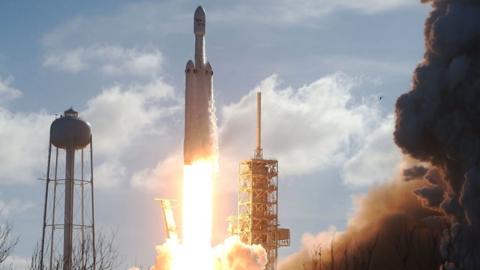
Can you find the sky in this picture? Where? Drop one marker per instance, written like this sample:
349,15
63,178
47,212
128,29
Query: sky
330,72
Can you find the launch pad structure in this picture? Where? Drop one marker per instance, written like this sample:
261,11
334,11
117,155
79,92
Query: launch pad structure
257,220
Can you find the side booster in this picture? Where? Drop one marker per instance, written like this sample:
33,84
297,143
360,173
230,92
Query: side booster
200,135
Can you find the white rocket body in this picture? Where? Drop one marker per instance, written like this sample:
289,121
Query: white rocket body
200,140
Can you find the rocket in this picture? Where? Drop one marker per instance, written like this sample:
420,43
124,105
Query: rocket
200,126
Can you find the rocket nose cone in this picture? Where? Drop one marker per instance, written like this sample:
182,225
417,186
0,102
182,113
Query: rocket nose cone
199,21
199,13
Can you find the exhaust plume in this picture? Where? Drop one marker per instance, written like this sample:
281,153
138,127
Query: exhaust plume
235,255
194,250
231,255
438,122
165,255
390,230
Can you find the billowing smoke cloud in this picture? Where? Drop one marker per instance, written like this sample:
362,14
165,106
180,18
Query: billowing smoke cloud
437,121
430,215
390,230
414,172
235,255
165,254
231,255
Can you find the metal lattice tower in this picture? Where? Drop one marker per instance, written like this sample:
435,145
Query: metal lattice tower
68,235
257,220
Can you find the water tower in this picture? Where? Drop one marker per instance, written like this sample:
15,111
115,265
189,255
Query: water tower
68,235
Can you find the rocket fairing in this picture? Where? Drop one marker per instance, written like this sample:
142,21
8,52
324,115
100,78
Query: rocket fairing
200,138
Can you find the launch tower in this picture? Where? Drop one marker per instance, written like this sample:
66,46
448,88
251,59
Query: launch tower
68,235
257,220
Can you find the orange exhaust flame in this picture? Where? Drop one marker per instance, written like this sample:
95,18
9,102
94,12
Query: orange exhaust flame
197,214
194,250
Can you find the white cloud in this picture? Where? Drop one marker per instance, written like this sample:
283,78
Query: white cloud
7,91
130,22
377,158
121,115
16,262
108,60
23,155
161,178
109,174
365,6
144,20
354,64
317,126
25,140
306,129
15,206
295,11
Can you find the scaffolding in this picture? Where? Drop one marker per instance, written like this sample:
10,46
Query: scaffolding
257,220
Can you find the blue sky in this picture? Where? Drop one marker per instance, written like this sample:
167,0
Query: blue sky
322,66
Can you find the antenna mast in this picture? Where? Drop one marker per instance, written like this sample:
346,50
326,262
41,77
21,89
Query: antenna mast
259,150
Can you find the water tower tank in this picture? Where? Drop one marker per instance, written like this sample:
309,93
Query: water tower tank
69,131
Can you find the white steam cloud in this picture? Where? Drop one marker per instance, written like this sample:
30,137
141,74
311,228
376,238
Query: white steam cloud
108,60
232,254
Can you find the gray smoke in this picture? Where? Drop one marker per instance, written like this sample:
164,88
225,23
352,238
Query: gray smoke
433,195
438,121
415,172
